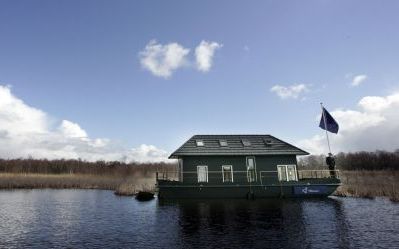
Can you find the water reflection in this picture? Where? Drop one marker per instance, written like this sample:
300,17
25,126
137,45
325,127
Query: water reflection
261,223
99,219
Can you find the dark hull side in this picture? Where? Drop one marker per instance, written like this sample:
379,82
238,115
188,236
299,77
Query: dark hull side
245,191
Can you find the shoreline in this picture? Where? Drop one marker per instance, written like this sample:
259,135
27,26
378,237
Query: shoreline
361,184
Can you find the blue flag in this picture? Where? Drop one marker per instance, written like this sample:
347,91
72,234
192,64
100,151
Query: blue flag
327,122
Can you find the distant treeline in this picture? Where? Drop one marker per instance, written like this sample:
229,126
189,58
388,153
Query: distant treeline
378,160
43,166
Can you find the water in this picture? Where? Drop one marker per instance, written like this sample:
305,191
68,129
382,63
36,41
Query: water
95,218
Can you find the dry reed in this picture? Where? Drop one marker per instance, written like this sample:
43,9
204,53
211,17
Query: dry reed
369,184
123,186
132,186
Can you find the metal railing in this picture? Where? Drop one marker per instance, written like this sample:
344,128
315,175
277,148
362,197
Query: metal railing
211,176
318,174
273,176
245,176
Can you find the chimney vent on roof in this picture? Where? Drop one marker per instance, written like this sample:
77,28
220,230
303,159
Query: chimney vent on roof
268,143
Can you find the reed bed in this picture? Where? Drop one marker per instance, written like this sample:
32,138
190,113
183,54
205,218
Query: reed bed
131,187
123,178
370,184
121,185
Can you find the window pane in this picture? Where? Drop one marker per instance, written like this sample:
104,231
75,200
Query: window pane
223,142
250,163
282,174
251,174
200,143
291,173
246,142
227,174
202,172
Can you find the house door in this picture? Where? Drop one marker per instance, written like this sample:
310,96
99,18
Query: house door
251,169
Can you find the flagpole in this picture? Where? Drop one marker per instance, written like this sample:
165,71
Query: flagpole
325,126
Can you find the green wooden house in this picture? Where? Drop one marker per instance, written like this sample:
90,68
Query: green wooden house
241,166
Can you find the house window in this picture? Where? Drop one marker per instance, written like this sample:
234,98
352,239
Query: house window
180,165
251,169
287,173
227,172
282,173
223,142
202,172
246,142
251,162
199,142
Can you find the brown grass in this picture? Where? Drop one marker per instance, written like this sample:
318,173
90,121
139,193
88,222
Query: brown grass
121,185
370,184
131,187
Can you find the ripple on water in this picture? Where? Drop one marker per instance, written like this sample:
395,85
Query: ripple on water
99,219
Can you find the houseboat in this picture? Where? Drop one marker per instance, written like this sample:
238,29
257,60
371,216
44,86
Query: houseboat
242,166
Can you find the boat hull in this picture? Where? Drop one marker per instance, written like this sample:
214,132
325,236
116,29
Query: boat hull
246,191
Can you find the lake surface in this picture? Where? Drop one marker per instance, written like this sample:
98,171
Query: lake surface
99,219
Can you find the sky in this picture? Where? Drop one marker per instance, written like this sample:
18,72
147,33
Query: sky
132,80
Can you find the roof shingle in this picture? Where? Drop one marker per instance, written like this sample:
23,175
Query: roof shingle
259,145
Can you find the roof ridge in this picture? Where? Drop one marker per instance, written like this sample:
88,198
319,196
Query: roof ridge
231,135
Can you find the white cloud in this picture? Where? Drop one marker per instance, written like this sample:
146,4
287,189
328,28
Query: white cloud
378,104
163,60
375,126
204,53
293,91
26,131
358,79
16,117
146,153
70,129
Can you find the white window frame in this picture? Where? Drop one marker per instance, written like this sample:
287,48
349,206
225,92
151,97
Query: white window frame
286,172
206,173
231,170
280,168
223,143
246,142
246,163
199,143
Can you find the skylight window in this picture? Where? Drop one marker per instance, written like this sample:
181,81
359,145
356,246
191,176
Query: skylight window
200,142
246,142
223,142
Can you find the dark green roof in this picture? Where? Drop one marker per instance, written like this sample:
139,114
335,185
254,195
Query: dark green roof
259,145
